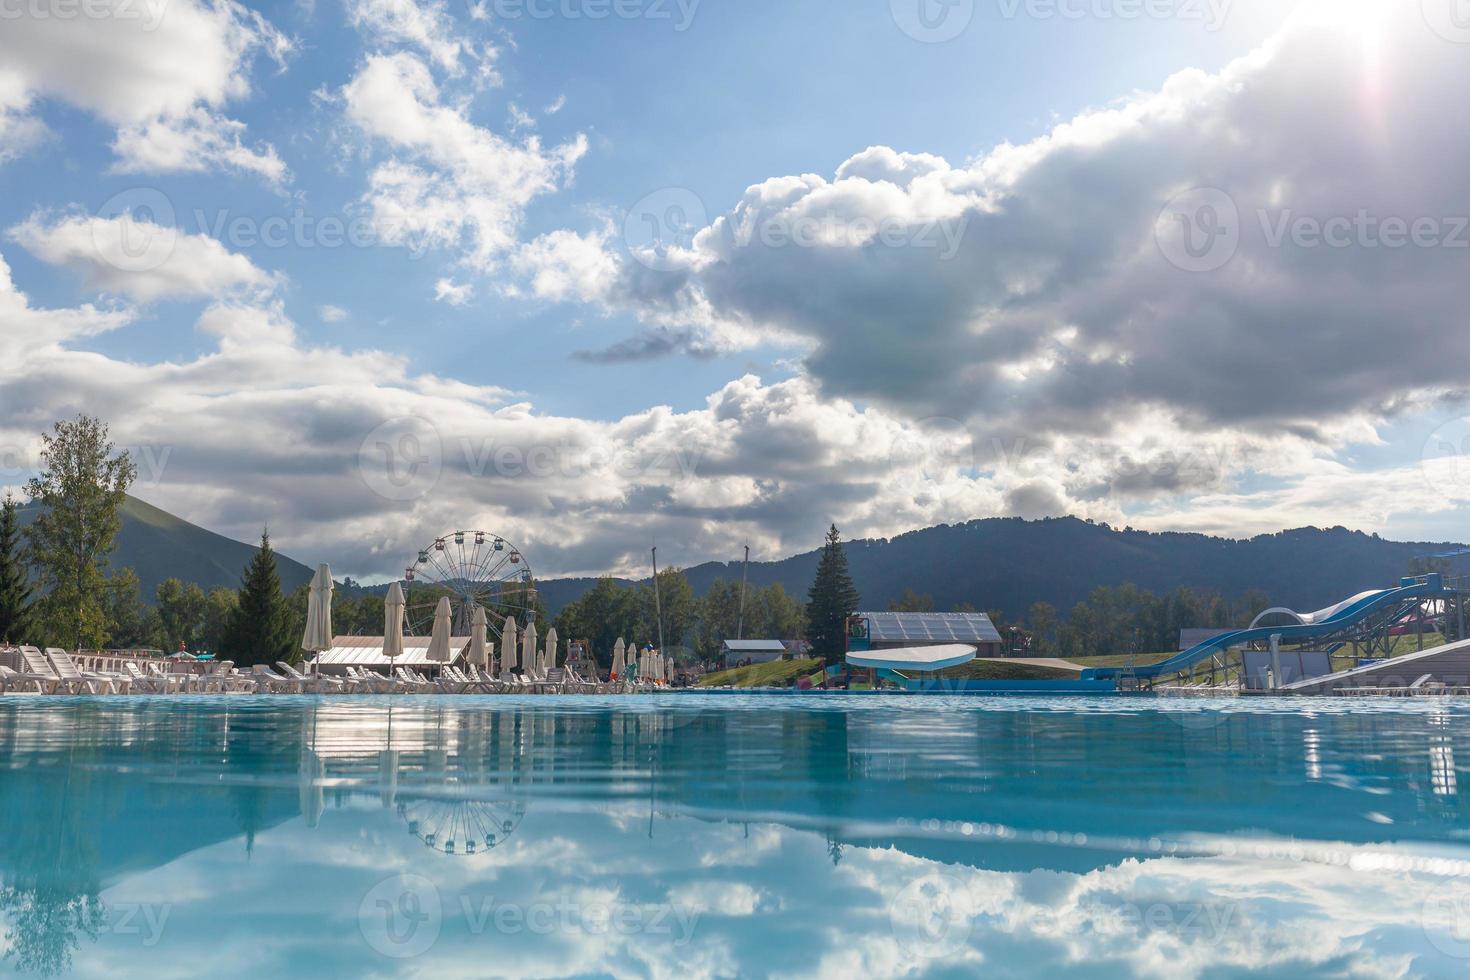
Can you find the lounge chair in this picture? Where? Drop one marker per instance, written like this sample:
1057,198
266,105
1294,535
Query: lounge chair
158,683
362,679
483,682
14,679
317,683
267,681
411,681
37,665
451,681
79,681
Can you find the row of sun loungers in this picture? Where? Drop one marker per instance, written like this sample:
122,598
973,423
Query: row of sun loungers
55,672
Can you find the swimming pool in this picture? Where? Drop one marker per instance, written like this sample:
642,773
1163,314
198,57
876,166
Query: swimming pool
741,835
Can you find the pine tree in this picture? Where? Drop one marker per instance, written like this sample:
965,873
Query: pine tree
259,630
15,585
832,599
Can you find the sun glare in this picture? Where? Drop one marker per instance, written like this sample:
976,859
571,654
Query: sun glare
1364,17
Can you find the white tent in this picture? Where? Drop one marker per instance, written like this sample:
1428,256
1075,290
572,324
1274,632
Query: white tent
393,622
508,647
318,635
479,650
439,636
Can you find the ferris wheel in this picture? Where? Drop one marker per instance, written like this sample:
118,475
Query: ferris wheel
472,568
462,826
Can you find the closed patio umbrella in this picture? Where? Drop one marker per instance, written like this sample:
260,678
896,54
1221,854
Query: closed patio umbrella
617,659
393,622
318,635
550,651
508,647
479,650
530,657
439,637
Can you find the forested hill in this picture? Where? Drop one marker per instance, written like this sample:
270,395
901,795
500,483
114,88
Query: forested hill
998,563
157,545
1009,563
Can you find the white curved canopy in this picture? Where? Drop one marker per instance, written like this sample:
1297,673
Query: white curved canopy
1312,618
914,658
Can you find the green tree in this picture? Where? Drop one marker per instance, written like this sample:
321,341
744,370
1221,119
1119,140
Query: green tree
219,608
717,615
81,489
831,600
779,615
911,601
131,625
604,613
1043,620
15,584
676,599
181,610
259,628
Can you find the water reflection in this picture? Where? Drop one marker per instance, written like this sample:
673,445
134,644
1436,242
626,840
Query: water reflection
720,836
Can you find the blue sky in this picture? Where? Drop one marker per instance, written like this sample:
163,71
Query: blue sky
488,157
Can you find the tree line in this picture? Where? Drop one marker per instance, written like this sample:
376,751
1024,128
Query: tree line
693,627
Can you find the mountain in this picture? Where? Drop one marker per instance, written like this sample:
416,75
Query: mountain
157,545
1009,563
996,563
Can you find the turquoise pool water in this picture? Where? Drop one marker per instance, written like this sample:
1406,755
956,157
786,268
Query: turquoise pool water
733,836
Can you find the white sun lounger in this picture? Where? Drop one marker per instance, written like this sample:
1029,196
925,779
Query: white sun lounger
14,679
318,683
76,678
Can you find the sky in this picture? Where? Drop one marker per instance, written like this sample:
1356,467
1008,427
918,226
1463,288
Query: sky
598,275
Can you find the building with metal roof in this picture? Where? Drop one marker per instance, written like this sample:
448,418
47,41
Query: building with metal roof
753,651
367,651
894,630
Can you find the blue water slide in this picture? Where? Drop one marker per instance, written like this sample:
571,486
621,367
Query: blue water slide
1348,613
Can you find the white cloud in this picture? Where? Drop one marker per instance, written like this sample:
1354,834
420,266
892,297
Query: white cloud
427,26
1030,294
564,265
19,130
137,258
453,293
332,314
456,184
266,427
159,72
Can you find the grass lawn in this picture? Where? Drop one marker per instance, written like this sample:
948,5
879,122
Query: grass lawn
1122,659
989,670
1399,646
777,673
